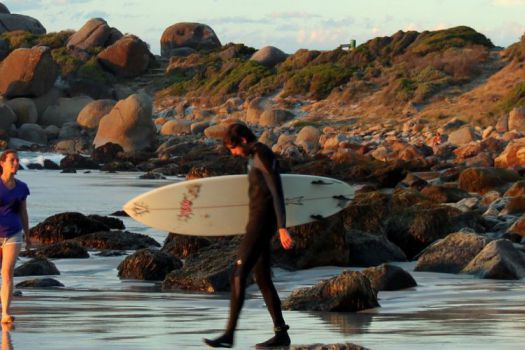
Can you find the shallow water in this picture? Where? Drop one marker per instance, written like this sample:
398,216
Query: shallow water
97,310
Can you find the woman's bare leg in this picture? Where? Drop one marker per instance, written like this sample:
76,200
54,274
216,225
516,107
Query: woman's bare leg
9,254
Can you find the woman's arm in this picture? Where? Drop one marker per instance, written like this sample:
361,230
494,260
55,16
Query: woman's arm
25,223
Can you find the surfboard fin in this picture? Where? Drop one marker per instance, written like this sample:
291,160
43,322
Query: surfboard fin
317,217
321,182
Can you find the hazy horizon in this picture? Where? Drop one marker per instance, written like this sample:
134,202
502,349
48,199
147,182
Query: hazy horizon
288,25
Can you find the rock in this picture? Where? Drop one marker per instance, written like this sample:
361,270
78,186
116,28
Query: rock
73,147
76,161
275,117
7,117
199,127
33,133
70,131
14,22
414,182
128,57
63,250
148,265
116,240
25,110
65,111
94,33
106,153
517,119
27,72
269,56
498,260
416,227
4,49
176,127
182,246
216,132
326,235
308,134
111,222
451,254
193,35
39,283
517,189
254,110
502,125
483,180
367,212
208,271
59,227
516,205
3,8
48,99
366,249
462,136
129,125
513,155
348,292
38,266
389,277
89,117
443,194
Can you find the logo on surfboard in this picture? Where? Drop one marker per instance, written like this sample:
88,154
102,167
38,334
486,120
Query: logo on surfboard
186,204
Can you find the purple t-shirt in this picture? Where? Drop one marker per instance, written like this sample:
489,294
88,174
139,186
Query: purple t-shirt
10,201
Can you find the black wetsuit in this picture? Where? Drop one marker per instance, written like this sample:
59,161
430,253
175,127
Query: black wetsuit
266,214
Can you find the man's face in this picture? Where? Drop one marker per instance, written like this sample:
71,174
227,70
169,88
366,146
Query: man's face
239,150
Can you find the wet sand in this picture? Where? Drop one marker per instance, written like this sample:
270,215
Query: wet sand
97,310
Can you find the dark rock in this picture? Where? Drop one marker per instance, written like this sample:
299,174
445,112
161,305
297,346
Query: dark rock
451,254
498,260
366,249
367,212
118,166
34,166
76,161
517,189
413,181
389,277
516,205
182,246
112,223
64,226
414,228
68,171
120,213
152,176
326,235
63,250
208,271
451,174
39,283
482,180
348,292
38,266
108,252
147,264
106,153
116,240
50,165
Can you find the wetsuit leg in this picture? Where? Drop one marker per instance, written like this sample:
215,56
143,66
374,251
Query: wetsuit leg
263,277
249,253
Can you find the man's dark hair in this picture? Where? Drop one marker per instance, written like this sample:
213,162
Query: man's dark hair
236,133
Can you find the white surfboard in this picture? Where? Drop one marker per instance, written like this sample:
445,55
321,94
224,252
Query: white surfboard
217,206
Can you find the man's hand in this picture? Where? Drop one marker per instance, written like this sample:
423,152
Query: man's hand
286,239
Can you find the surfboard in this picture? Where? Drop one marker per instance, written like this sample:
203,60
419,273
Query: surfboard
218,206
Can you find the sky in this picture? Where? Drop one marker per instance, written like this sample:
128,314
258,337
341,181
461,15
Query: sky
286,24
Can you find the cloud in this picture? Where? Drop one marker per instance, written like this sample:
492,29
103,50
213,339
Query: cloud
236,20
293,15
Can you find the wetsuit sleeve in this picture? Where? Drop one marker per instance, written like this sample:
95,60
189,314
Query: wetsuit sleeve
267,163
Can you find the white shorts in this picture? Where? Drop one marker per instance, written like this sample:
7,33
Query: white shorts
17,238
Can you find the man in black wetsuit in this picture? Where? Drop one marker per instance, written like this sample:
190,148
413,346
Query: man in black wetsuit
266,215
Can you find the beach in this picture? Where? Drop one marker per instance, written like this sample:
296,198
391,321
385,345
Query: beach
96,309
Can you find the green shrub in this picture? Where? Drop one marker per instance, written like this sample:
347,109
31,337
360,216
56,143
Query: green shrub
91,70
19,39
515,98
54,40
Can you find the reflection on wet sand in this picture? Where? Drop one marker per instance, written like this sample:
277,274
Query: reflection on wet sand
6,336
346,323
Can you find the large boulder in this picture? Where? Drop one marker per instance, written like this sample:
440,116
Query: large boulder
94,33
127,57
63,250
3,8
462,136
7,117
25,110
27,72
33,133
389,277
348,292
13,22
512,156
194,35
367,249
183,246
176,127
129,125
39,266
517,119
147,264
275,117
89,117
4,49
269,56
65,111
498,260
115,240
451,254
483,180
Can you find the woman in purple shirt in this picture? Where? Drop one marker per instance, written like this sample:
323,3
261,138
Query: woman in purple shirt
13,225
